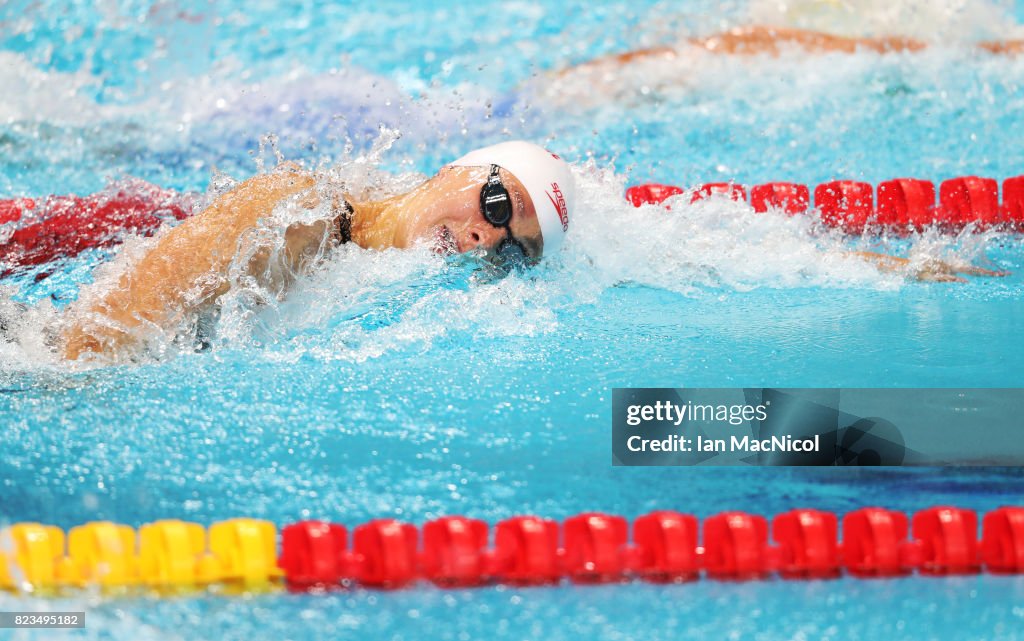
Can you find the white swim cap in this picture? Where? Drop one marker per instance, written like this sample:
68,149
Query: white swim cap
545,176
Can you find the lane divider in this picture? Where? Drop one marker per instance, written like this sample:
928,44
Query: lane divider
54,227
64,226
900,205
456,551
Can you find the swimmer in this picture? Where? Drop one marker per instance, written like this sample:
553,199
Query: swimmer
647,71
761,39
510,201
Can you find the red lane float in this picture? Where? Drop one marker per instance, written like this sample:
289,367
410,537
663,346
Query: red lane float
65,226
875,543
12,210
906,203
526,551
384,554
969,199
1002,540
809,547
731,190
314,553
595,548
846,204
949,540
736,546
1013,201
789,197
903,204
666,545
454,551
651,194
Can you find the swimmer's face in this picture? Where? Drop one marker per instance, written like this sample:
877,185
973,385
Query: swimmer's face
447,214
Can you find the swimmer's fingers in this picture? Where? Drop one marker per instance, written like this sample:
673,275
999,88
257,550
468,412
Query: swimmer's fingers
974,270
942,271
938,276
932,270
1003,47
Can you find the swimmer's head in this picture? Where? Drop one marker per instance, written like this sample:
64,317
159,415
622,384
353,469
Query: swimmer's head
546,178
460,209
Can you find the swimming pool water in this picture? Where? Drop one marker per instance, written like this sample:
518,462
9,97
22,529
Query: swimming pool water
407,386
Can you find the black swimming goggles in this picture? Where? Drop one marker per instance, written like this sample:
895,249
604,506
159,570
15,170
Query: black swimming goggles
496,206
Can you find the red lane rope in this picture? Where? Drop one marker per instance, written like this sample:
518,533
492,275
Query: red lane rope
64,226
900,205
595,548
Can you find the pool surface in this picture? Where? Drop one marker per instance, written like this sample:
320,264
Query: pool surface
401,384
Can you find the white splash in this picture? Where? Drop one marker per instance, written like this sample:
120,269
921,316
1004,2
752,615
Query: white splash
32,94
934,21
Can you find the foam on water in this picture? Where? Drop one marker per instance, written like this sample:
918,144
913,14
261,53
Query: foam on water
173,134
32,94
929,20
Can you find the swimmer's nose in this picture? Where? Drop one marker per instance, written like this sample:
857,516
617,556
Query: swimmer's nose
485,236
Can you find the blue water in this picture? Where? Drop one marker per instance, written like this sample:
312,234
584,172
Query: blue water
411,387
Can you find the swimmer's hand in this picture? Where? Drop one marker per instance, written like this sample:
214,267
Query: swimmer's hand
932,270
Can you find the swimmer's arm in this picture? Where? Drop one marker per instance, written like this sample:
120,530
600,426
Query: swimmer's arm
765,39
762,39
185,268
932,270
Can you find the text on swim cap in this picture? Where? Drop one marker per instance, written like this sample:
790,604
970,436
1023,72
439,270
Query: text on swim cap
558,200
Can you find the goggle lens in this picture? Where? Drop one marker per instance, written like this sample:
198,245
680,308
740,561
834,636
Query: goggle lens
497,209
494,200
